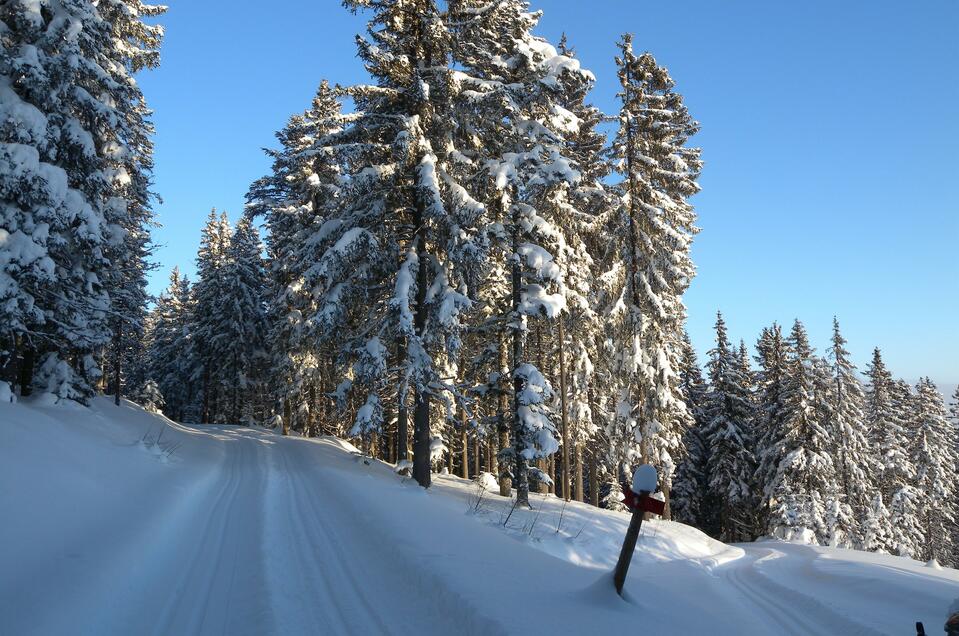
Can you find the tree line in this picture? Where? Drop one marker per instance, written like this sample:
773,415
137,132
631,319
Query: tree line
800,448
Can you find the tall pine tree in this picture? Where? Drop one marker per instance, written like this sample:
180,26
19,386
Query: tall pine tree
659,172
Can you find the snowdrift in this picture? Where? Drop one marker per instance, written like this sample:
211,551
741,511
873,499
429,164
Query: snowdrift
119,521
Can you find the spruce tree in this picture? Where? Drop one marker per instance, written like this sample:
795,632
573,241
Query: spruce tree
804,475
409,223
659,172
299,202
887,433
772,358
239,337
886,404
934,458
690,484
208,314
856,464
171,360
728,436
520,86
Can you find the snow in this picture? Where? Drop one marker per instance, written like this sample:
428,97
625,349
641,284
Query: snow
645,479
120,521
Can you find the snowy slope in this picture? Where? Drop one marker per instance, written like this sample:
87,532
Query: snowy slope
240,531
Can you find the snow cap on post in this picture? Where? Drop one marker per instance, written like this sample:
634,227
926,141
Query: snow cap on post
645,479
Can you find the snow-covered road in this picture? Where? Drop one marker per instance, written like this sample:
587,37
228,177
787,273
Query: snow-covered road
241,531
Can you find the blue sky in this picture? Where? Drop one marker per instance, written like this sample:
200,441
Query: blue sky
829,132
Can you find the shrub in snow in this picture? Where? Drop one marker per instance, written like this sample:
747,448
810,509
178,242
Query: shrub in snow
487,481
6,394
540,477
437,449
150,397
404,467
614,498
59,379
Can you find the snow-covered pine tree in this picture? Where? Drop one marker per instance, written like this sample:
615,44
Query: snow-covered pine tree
728,436
583,222
856,464
887,435
750,383
839,528
298,202
135,46
772,355
885,401
239,337
209,313
69,111
934,457
804,475
876,534
656,223
150,397
406,209
690,484
170,358
517,89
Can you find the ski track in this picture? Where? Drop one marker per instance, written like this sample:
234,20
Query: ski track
230,533
343,561
790,611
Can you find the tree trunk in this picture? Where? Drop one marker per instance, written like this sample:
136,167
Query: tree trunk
491,465
235,407
117,360
564,420
286,416
205,412
521,477
27,362
505,482
593,479
476,453
578,473
466,444
402,411
421,411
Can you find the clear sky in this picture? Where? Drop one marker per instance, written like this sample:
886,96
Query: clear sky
830,132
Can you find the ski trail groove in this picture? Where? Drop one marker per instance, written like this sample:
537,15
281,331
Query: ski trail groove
792,611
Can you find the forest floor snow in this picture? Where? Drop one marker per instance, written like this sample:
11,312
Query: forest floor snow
118,521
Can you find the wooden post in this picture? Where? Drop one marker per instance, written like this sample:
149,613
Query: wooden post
644,482
629,545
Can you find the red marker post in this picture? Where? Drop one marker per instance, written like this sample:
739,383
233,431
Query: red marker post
639,501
